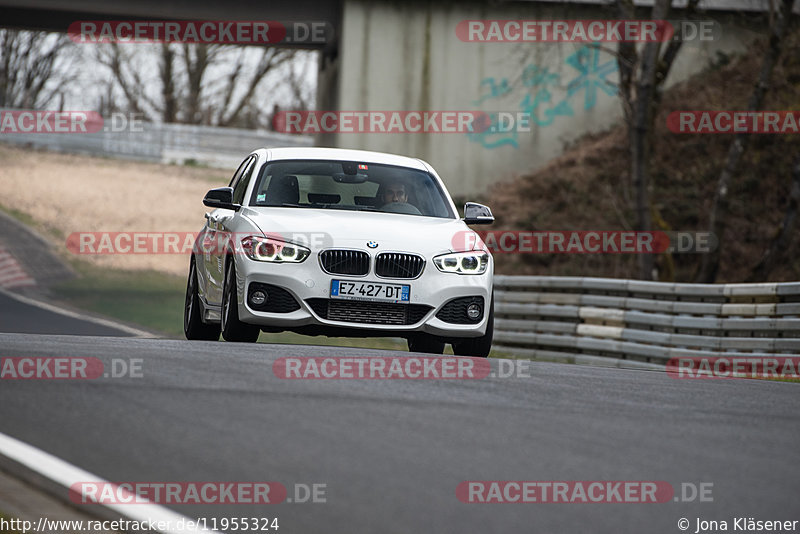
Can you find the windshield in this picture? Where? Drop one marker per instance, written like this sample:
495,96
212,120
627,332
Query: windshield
352,186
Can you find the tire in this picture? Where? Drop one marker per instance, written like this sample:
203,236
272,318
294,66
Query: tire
232,328
425,343
193,325
478,346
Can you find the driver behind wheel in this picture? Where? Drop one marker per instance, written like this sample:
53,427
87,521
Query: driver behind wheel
394,196
395,192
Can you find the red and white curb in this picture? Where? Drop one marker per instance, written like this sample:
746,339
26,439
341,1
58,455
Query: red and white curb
11,272
65,475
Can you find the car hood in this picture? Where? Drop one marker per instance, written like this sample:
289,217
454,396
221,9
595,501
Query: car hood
325,228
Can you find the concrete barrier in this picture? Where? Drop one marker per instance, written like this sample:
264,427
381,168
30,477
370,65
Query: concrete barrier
634,323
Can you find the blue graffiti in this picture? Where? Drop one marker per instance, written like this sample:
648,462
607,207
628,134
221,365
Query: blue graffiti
496,89
537,102
492,135
544,96
592,75
534,76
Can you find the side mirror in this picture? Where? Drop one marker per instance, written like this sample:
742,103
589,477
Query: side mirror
477,214
221,197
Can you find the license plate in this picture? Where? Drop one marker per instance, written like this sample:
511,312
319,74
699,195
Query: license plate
372,291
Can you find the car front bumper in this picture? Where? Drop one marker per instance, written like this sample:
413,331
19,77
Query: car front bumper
307,281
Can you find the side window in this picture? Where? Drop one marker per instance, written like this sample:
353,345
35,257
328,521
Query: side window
244,180
239,172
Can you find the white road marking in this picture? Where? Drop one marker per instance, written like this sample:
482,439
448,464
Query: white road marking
65,475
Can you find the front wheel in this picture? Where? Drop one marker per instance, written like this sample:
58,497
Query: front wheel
232,328
478,346
193,325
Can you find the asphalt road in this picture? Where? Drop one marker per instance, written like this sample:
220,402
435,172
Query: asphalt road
19,317
391,453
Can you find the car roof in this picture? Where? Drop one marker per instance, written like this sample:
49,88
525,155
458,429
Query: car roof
344,154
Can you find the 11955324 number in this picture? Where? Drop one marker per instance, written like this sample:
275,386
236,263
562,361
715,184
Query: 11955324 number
233,524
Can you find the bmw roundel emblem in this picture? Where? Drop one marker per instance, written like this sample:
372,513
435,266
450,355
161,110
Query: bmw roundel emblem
372,244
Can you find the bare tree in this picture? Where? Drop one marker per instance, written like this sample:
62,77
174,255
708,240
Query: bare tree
302,93
198,83
270,59
778,246
169,94
196,59
127,77
709,265
642,75
29,74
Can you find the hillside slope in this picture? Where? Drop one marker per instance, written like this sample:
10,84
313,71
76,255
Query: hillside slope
588,187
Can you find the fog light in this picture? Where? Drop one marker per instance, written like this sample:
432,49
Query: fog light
257,298
474,311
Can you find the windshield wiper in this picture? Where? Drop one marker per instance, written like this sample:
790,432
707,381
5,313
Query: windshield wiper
344,207
319,206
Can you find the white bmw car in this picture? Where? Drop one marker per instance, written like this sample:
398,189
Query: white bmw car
339,242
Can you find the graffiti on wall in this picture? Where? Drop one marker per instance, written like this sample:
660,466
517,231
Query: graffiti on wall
590,74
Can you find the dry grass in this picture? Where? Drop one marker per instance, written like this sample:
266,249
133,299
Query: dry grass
66,193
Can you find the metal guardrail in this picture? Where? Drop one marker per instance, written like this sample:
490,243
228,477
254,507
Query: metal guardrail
634,323
162,142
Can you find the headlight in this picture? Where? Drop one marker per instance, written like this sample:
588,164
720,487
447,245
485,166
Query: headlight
473,262
272,250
